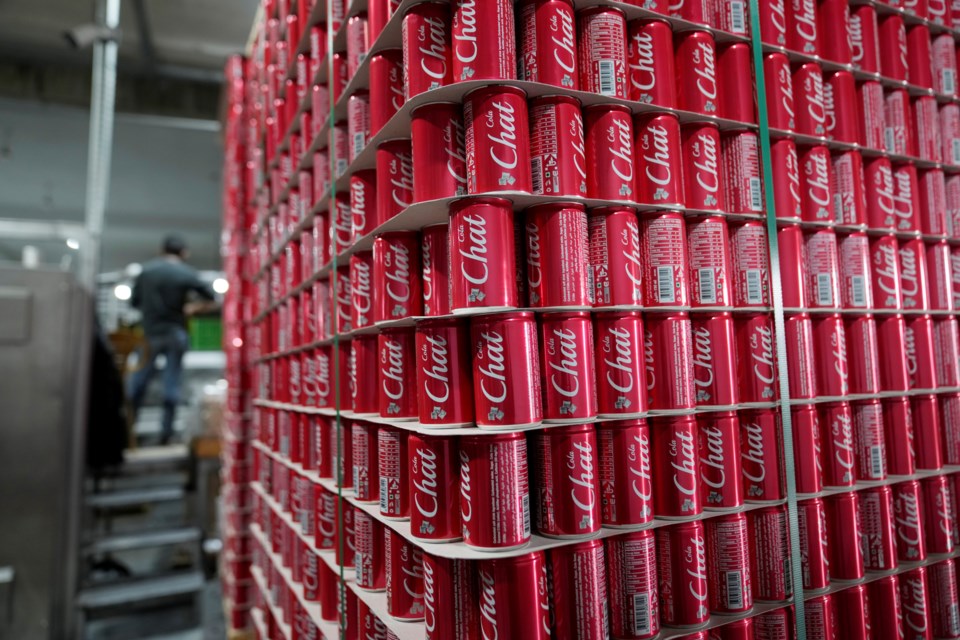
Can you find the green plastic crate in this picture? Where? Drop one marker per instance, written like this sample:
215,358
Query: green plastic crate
206,334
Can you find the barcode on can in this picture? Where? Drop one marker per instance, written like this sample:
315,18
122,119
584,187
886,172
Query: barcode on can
754,287
858,290
356,478
738,23
955,150
734,590
525,507
359,142
641,614
824,290
877,466
665,284
384,500
756,195
708,292
536,166
888,139
949,81
608,77
838,207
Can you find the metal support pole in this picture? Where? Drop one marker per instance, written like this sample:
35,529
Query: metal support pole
100,150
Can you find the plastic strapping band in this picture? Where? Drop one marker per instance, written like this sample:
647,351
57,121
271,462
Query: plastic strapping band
793,529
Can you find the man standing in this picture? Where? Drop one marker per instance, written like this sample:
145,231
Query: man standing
161,294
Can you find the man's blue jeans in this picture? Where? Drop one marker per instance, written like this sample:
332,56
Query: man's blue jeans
172,345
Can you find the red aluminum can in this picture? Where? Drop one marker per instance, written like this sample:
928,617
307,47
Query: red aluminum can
802,32
568,501
821,619
557,154
938,515
396,274
947,350
668,348
445,396
939,12
737,101
940,275
786,179
397,376
721,473
626,483
818,195
844,533
675,447
363,203
634,596
864,39
898,434
682,565
427,51
790,240
650,63
907,198
325,518
579,590
548,48
806,445
514,597
663,254
609,152
708,243
929,138
944,607
358,42
480,229
756,359
833,371
893,57
342,224
404,577
369,625
949,120
920,71
743,187
557,266
659,160
760,446
853,613
812,524
366,465
358,122
822,270
394,179
702,178
854,267
919,352
913,275
497,515
434,488
839,453
848,176
751,272
840,105
714,360
621,381
502,390
862,355
834,16
567,358
811,116
773,22
449,599
483,38
868,435
697,90
386,87
602,51
871,106
878,529
898,127
438,141
885,271
394,474
800,357
909,521
891,339
915,601
614,254
435,260
770,573
779,91
728,564
497,140
886,614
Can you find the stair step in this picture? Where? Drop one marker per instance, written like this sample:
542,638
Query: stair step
131,592
143,540
133,497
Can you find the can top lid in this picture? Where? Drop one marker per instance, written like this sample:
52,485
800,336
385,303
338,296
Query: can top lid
555,97
468,201
495,89
507,316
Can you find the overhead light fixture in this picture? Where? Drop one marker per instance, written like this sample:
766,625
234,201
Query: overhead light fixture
122,292
220,285
73,243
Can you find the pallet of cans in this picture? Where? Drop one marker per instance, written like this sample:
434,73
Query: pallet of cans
508,315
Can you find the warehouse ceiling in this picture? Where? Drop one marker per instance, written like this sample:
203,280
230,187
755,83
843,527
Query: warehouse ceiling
167,153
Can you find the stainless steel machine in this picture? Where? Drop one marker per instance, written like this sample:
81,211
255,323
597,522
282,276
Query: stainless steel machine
46,336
